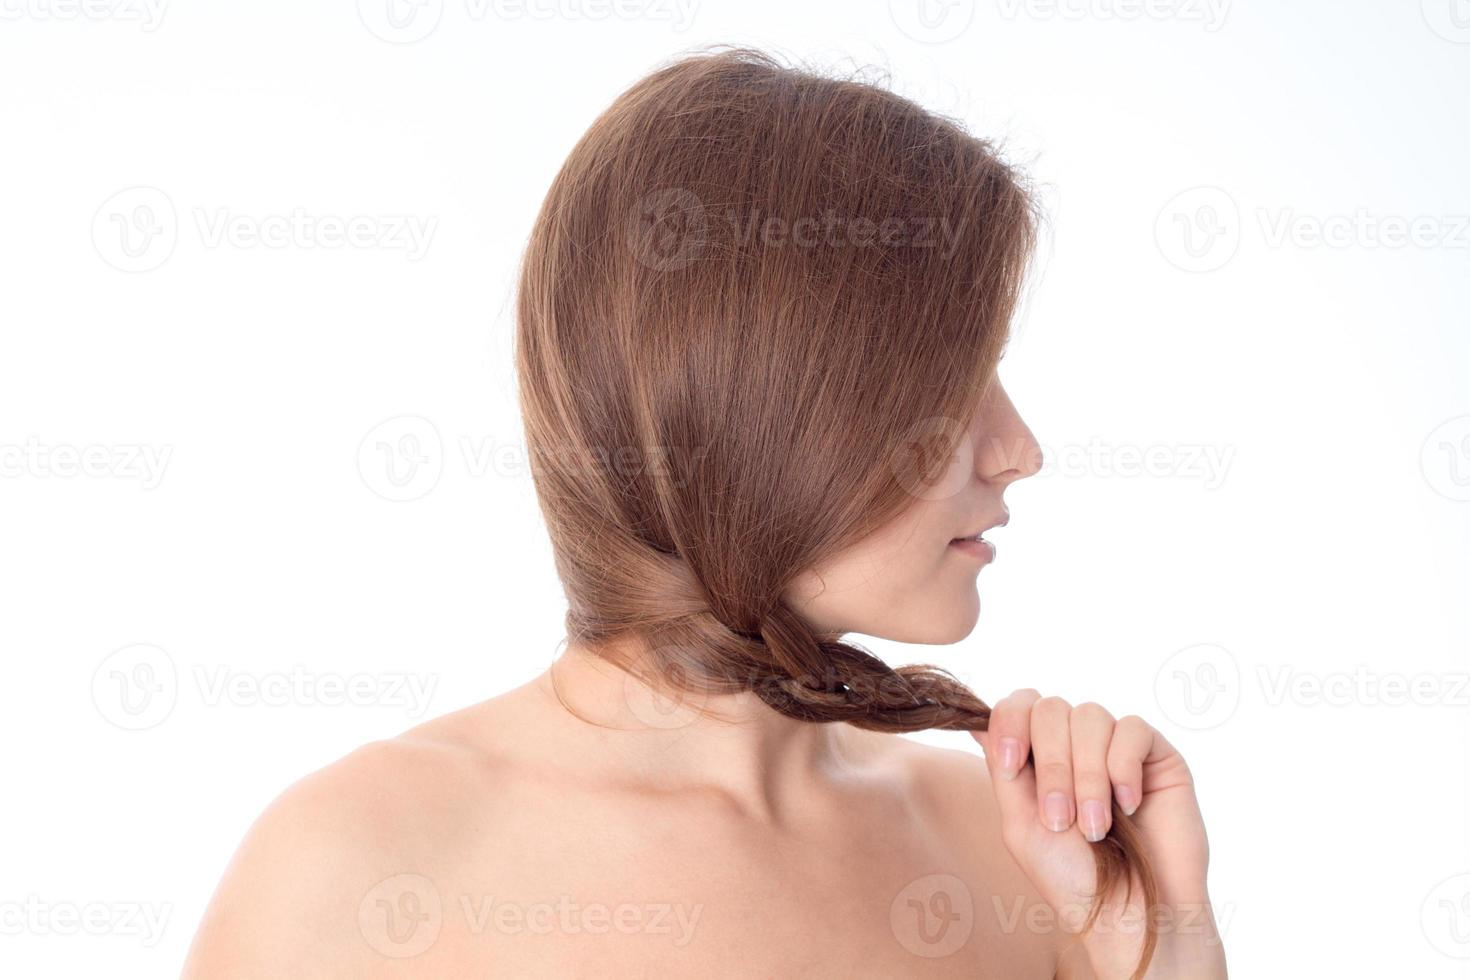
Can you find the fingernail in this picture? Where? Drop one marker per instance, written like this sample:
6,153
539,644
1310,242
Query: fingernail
1058,811
1010,757
1127,798
1092,820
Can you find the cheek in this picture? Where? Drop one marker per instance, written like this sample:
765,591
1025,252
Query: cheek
902,583
907,556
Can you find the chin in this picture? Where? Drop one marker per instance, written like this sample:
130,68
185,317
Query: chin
966,614
939,622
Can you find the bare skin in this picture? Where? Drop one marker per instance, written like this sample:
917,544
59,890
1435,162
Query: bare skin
516,839
581,826
754,847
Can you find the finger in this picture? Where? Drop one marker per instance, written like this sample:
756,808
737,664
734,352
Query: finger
1092,732
1015,793
1134,741
1051,744
1010,731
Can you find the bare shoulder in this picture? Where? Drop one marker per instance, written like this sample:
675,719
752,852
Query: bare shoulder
950,788
376,821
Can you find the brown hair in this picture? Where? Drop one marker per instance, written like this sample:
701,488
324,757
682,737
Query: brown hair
748,285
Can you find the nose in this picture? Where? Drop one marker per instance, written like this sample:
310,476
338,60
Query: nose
1006,450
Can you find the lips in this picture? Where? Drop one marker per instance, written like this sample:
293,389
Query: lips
1002,521
975,545
975,548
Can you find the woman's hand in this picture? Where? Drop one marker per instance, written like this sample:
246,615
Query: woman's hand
1054,806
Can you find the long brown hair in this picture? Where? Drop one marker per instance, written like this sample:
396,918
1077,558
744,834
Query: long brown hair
756,311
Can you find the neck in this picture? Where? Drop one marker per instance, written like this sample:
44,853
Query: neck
734,743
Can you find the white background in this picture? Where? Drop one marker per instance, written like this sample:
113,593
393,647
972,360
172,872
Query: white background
200,532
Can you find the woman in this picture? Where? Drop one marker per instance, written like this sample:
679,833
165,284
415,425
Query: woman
759,322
